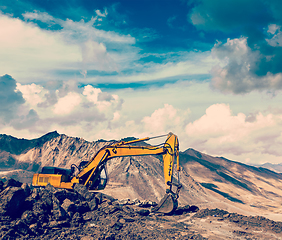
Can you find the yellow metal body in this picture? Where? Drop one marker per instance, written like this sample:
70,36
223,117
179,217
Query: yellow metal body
90,173
55,180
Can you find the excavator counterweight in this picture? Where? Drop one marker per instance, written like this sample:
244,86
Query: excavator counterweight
93,175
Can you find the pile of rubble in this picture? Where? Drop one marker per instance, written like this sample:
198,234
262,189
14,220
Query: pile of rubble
50,213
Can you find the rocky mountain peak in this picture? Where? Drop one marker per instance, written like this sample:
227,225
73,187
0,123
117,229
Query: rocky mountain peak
17,146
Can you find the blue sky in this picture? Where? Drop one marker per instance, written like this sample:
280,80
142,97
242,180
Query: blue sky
209,71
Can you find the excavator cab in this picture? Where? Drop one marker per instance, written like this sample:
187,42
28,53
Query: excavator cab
100,182
65,173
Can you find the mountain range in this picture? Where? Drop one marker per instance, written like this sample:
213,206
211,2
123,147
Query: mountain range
208,181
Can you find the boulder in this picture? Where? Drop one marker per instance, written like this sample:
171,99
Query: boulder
83,192
22,228
12,183
82,207
143,212
12,201
1,185
29,217
60,194
76,219
93,204
26,189
58,212
68,206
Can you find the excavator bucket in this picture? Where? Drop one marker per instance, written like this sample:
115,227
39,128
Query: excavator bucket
167,205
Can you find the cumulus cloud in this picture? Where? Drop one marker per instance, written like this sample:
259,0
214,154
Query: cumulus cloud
69,105
253,61
164,120
66,104
13,111
93,114
238,71
104,101
32,93
218,131
11,99
27,121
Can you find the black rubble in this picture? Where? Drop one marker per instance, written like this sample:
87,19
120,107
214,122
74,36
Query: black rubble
50,213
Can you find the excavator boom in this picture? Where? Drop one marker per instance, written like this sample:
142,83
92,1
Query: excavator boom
90,174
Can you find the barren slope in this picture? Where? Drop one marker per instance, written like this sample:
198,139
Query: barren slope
207,181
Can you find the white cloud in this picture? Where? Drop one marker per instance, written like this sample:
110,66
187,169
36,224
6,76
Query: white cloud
238,71
93,114
275,33
105,102
32,93
91,93
67,104
31,49
164,120
221,132
98,12
188,65
78,46
95,54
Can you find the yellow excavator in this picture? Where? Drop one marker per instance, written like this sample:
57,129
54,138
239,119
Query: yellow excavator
93,175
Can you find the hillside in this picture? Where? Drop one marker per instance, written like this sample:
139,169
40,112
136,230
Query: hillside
207,181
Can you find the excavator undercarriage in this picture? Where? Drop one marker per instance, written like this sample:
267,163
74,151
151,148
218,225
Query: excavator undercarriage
93,174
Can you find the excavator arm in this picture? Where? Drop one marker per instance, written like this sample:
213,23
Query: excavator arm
90,173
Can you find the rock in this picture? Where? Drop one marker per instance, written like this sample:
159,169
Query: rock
83,192
35,193
50,188
41,209
125,202
59,224
104,197
93,204
129,219
12,201
68,206
117,226
60,194
29,217
12,183
193,208
10,234
128,209
184,209
122,220
22,228
36,228
82,207
89,216
1,185
46,196
143,212
76,219
111,209
73,196
145,204
59,213
26,189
